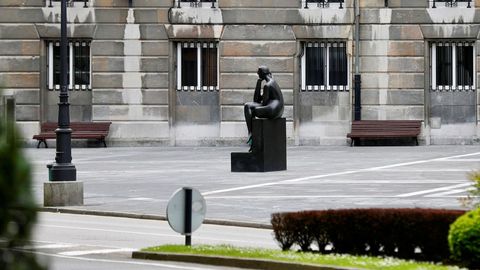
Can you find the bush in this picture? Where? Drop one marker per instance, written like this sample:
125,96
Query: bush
403,233
464,239
17,213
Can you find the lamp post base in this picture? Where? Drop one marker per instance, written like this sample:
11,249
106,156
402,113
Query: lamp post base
62,172
63,193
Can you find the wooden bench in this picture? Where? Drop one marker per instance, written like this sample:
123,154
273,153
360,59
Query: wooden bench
384,129
80,130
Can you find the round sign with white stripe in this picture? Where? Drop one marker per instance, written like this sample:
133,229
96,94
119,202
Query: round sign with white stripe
177,210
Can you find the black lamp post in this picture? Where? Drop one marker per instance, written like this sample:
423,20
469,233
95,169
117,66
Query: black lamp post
63,169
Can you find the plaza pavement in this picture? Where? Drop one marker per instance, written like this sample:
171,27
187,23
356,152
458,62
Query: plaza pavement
140,180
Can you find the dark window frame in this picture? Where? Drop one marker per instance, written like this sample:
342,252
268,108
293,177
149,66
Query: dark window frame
200,71
452,66
79,71
325,66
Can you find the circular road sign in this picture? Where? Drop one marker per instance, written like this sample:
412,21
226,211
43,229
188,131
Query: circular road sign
176,210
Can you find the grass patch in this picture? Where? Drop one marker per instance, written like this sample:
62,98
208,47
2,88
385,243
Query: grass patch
363,262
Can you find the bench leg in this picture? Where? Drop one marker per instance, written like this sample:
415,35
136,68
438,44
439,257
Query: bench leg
38,144
104,143
416,140
45,143
351,142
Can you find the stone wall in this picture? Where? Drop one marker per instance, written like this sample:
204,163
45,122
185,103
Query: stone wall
133,67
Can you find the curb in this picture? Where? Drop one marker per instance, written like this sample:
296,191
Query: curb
220,222
231,261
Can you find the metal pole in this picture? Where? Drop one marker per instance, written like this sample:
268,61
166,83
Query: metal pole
85,3
62,168
357,86
130,3
188,216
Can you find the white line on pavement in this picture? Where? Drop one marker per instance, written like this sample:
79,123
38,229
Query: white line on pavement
422,192
96,251
455,191
301,179
141,233
297,196
49,246
163,265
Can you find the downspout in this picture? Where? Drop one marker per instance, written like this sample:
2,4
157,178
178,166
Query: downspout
357,76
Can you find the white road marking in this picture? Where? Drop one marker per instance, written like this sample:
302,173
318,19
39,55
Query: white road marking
97,251
464,160
117,261
141,233
49,246
297,197
455,191
422,192
301,179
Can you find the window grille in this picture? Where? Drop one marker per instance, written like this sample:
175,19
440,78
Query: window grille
452,66
322,3
324,66
195,3
197,68
79,77
450,3
70,3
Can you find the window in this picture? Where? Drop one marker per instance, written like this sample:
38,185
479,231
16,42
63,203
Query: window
196,3
324,66
450,3
78,70
322,3
197,66
70,3
452,65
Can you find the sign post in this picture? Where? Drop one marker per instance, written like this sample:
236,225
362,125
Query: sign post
186,211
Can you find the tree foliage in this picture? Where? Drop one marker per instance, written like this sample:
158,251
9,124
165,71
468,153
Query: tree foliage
17,207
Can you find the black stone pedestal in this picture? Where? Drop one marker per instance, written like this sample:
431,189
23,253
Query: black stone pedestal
270,148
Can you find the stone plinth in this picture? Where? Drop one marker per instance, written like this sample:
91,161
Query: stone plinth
62,193
270,148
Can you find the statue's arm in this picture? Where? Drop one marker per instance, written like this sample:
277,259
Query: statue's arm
256,96
266,95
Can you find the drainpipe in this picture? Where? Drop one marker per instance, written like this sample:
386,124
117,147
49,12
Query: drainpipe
357,77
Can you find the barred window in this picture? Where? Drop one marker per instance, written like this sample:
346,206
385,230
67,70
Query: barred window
451,3
196,3
323,3
79,77
452,66
324,66
197,66
70,3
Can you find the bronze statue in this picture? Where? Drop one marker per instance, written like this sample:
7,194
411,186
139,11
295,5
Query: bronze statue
268,105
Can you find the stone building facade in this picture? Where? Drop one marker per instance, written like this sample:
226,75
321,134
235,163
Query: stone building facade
166,72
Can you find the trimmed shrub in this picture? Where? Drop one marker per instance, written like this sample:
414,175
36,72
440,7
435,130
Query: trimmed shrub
404,233
464,239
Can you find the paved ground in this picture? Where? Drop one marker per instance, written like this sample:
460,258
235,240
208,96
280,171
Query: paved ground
141,180
71,242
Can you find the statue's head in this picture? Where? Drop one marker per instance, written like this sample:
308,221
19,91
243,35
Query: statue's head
263,72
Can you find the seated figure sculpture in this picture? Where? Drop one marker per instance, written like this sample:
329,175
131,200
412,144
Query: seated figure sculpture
268,104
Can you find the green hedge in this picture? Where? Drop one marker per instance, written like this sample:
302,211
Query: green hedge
405,233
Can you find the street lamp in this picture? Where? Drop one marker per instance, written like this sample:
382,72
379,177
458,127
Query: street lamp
62,188
63,169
